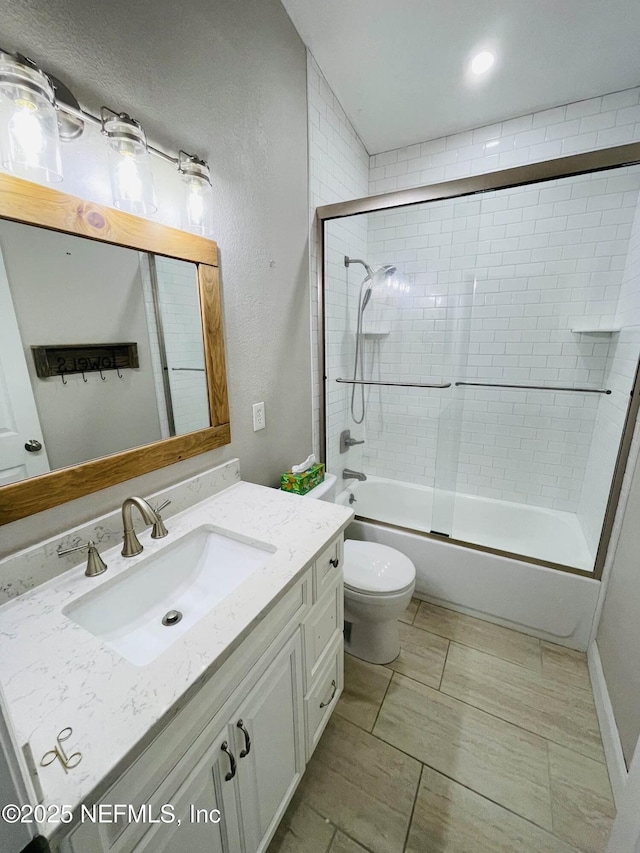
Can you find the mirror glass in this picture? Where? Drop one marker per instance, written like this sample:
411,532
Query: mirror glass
101,350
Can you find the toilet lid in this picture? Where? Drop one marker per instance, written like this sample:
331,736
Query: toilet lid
371,567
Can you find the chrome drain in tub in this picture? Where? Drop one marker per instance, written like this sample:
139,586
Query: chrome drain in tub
172,617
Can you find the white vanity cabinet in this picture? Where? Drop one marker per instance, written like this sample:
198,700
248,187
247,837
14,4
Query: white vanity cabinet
239,747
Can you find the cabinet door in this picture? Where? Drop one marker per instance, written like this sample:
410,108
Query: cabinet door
205,808
269,739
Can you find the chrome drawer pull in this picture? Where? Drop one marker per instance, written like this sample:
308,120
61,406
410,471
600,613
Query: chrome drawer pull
334,562
335,687
247,739
225,748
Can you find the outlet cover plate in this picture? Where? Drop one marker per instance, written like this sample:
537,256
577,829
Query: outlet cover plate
258,416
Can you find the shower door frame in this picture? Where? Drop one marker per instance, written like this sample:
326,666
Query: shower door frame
533,173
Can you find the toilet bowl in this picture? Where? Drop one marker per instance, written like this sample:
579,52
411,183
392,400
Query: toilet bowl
378,585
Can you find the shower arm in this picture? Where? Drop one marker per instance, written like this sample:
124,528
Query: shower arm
348,261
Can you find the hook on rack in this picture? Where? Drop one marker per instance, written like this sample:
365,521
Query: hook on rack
104,379
64,381
84,378
120,376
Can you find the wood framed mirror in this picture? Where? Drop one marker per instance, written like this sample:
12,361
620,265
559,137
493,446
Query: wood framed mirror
65,361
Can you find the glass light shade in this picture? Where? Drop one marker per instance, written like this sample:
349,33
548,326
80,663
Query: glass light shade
29,140
197,196
130,166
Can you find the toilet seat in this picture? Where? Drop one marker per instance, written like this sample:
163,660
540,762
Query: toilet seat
375,569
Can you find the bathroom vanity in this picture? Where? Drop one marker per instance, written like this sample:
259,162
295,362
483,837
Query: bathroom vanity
202,746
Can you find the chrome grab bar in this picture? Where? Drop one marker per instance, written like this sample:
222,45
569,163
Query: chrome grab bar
395,384
196,369
536,387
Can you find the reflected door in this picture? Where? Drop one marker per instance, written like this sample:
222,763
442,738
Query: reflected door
19,423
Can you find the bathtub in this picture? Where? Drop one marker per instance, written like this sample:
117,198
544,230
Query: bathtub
550,604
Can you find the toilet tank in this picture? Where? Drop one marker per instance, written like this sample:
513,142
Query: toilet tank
326,490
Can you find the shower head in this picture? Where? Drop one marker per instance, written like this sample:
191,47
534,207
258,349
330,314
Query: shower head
375,275
383,277
383,272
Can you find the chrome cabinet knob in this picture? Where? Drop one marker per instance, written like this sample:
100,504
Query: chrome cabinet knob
33,445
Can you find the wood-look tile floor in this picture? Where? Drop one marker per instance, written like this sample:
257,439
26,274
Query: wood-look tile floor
477,739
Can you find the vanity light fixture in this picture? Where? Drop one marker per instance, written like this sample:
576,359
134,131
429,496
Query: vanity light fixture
129,163
29,139
197,194
37,111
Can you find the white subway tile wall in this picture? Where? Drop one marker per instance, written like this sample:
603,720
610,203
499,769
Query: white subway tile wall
498,283
622,359
182,325
338,171
154,342
583,126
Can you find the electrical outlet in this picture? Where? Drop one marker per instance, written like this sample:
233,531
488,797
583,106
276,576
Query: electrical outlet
258,417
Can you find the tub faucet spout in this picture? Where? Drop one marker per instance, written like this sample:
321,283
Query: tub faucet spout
348,474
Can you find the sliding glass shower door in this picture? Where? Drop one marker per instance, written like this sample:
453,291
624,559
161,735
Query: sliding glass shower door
497,385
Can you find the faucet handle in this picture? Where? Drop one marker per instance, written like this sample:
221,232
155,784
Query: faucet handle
159,529
95,564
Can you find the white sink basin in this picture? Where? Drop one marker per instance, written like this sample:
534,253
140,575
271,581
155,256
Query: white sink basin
191,575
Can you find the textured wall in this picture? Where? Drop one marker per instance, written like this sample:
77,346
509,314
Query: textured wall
226,80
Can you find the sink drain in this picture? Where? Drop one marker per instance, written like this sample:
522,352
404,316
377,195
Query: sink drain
172,617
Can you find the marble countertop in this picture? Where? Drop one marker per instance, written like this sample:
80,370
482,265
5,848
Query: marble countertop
55,674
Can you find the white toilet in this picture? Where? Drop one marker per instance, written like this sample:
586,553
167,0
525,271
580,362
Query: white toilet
378,585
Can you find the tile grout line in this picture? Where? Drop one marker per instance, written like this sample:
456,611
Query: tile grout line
522,728
500,657
483,651
553,817
413,809
467,787
382,703
446,658
351,838
489,714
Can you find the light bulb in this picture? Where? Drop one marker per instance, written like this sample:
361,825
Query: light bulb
127,178
195,204
129,164
197,195
25,134
29,140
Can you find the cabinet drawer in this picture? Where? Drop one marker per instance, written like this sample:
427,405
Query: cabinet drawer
324,693
326,564
324,620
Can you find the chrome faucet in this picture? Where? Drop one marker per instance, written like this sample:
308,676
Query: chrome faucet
132,545
348,474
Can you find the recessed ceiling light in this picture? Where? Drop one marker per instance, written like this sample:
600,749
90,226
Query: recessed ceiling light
482,62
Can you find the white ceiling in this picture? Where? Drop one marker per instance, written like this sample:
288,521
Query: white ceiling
398,66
